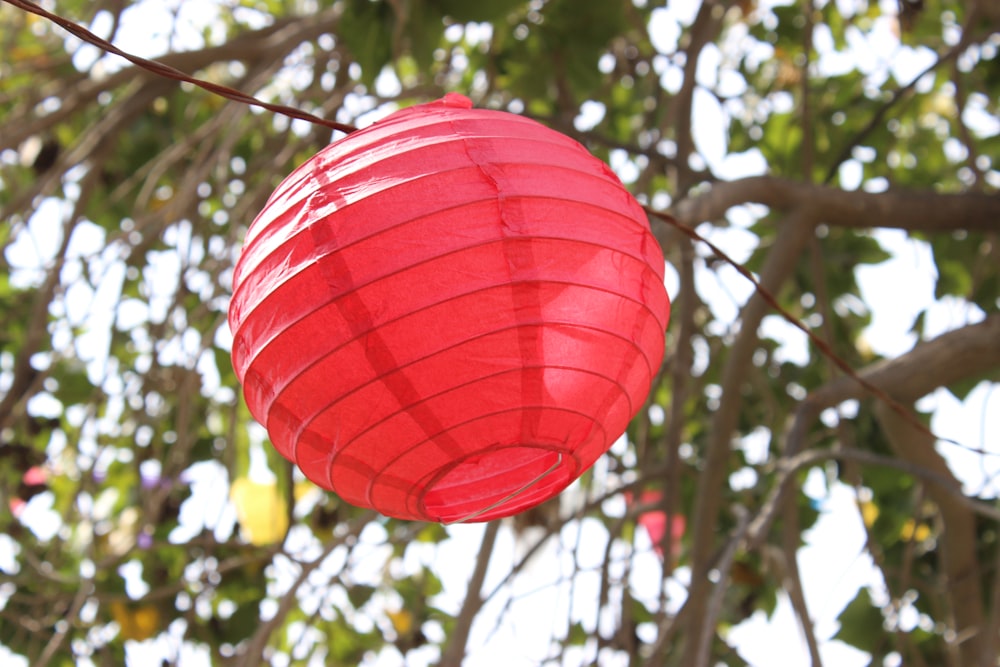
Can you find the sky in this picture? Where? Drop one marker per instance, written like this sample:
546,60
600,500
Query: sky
833,561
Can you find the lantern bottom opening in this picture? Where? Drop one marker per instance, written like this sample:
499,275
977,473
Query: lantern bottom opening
498,483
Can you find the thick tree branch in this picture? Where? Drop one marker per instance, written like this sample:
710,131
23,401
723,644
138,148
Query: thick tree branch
963,583
704,29
967,352
896,209
780,262
951,357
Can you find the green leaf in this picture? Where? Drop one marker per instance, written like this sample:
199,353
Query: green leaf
577,635
432,533
367,29
782,141
463,11
953,278
242,624
424,29
961,389
861,625
74,386
359,594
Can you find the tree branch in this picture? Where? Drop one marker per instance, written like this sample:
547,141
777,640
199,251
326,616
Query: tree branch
714,607
780,262
957,544
787,468
253,652
473,600
704,29
952,356
791,538
894,209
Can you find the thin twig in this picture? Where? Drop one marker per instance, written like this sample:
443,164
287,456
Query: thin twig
791,537
714,607
254,652
789,466
897,95
86,587
454,654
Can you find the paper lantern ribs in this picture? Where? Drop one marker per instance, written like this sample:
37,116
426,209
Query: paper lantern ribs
449,315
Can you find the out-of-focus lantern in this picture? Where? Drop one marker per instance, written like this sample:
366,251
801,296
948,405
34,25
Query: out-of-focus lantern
449,315
655,522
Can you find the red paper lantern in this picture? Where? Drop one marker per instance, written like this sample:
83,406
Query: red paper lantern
448,315
655,523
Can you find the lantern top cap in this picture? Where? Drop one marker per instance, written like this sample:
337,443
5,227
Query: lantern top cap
454,100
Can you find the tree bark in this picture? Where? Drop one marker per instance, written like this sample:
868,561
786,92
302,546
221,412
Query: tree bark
708,502
952,356
894,209
962,586
455,653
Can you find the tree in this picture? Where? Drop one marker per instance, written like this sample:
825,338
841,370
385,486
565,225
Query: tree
125,196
